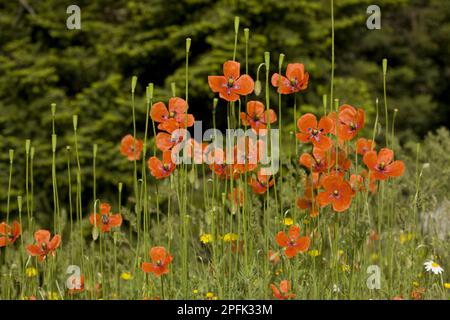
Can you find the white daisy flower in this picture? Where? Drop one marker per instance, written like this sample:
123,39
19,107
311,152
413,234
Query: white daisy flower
432,266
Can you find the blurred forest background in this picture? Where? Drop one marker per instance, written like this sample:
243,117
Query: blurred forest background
88,71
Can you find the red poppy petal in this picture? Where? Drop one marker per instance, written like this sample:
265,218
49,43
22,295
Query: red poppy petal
395,169
306,122
159,112
244,85
295,71
217,83
231,69
282,239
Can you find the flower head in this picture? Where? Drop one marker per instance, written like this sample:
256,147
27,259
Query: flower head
231,85
283,292
311,131
161,169
383,166
129,146
257,117
431,266
173,118
296,79
292,241
105,220
44,245
337,191
9,234
160,262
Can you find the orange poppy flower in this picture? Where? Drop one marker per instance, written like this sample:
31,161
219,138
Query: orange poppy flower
166,141
105,221
283,292
75,289
372,183
356,183
9,234
351,121
363,145
308,202
127,147
173,118
338,192
319,161
44,245
231,85
160,262
257,117
237,196
292,241
261,183
247,153
382,165
274,257
161,169
311,131
296,79
343,164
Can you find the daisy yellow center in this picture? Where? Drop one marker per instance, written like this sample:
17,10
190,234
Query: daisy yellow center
435,265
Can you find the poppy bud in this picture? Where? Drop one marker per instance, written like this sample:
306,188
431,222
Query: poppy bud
53,108
173,86
120,187
75,122
32,153
385,62
149,91
215,102
133,83
53,143
236,24
11,155
267,59
19,203
94,150
324,101
280,61
188,44
27,146
246,34
257,87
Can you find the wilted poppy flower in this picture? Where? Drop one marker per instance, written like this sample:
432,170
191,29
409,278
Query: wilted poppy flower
9,234
257,117
382,165
283,292
160,262
261,183
351,121
319,161
166,141
356,183
247,153
105,221
311,131
173,118
338,192
308,202
274,257
161,169
127,146
237,197
77,287
231,85
44,245
363,145
296,79
292,241
343,163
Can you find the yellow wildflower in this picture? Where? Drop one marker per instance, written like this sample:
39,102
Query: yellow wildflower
313,253
52,296
405,237
447,285
195,291
126,276
230,237
206,238
288,221
209,295
31,272
345,268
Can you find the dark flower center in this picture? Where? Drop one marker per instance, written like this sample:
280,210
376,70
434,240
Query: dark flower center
105,219
230,83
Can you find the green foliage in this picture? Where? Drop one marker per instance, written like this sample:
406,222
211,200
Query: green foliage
88,71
